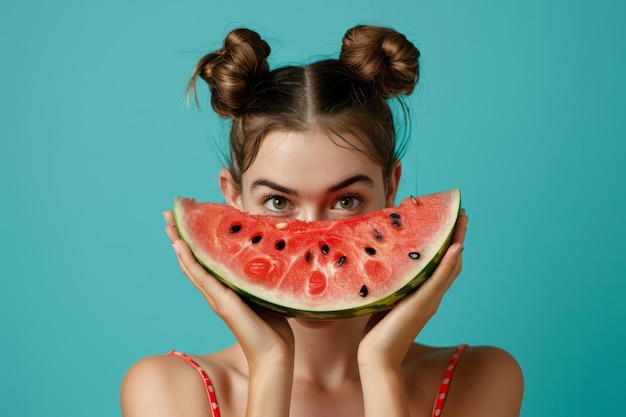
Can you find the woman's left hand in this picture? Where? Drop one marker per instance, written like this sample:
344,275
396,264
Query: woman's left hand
392,333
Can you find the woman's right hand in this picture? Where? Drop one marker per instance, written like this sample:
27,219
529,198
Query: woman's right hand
266,338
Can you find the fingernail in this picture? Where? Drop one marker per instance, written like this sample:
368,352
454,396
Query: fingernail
176,248
462,249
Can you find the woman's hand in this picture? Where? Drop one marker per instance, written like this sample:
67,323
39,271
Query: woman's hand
265,338
392,333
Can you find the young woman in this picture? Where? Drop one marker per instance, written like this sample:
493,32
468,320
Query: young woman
318,142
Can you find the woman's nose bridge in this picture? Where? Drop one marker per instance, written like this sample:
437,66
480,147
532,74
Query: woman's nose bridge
312,213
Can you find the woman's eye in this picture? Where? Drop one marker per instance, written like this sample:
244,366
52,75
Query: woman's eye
276,203
347,203
279,203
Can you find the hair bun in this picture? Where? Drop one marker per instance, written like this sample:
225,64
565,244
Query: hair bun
381,56
233,72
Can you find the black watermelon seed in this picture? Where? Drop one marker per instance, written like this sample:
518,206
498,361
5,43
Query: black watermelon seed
370,251
395,219
414,255
280,245
234,228
341,260
325,249
363,291
309,256
378,235
256,239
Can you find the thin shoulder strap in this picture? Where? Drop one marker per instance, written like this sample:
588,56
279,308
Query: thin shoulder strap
445,382
215,410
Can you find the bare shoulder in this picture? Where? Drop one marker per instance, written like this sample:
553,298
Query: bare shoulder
163,385
487,381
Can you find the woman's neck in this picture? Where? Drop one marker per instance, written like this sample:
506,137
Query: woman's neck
326,353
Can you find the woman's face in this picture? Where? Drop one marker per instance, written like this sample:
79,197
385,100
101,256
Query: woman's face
309,177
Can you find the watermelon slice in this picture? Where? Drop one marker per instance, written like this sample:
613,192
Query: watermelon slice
328,269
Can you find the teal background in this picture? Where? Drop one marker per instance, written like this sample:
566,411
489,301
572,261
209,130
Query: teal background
520,104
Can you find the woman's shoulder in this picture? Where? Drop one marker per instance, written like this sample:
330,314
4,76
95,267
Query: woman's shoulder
483,355
486,379
490,369
169,384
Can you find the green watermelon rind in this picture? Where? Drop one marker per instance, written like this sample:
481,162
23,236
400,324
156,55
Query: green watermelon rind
381,304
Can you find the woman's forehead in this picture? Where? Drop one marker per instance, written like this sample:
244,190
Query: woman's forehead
306,160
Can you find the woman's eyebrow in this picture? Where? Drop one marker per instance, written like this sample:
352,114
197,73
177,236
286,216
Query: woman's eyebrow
274,186
352,180
364,179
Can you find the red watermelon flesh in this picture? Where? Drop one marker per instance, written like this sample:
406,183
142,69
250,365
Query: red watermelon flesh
328,269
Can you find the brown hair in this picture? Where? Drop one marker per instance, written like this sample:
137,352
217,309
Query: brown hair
345,96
